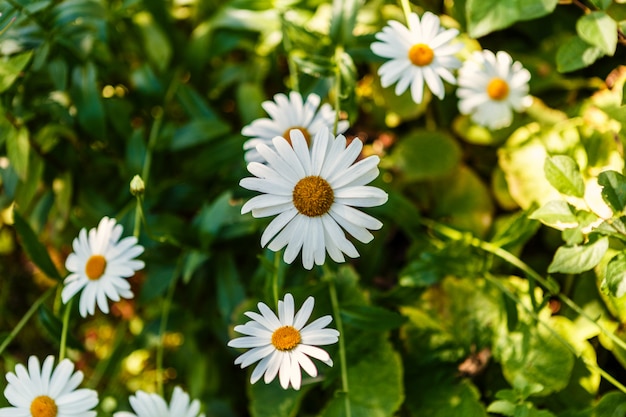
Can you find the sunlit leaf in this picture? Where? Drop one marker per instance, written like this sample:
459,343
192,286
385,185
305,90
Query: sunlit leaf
598,29
615,278
613,190
11,68
486,16
579,258
18,151
575,53
564,175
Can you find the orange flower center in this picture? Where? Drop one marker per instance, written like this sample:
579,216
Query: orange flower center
95,266
307,135
421,54
43,406
498,89
313,196
286,338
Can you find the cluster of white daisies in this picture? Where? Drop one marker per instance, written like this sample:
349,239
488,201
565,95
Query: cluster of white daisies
490,85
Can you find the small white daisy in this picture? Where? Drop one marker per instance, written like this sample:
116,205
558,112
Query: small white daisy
100,266
153,405
312,192
283,344
490,86
288,113
47,392
422,52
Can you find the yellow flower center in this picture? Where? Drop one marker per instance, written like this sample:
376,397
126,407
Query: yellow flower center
286,338
43,406
313,196
307,135
421,54
95,266
498,89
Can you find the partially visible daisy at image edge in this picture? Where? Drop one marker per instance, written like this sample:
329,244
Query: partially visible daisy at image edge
286,113
153,405
47,391
282,345
312,192
100,266
421,53
491,86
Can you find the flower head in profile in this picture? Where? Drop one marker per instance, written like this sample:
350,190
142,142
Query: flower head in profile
284,344
421,53
46,391
153,405
312,192
287,113
100,266
490,85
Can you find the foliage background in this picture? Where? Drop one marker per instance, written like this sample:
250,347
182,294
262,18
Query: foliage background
443,313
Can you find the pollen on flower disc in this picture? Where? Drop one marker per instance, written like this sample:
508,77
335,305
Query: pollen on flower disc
497,89
421,54
286,338
43,406
313,196
95,266
305,133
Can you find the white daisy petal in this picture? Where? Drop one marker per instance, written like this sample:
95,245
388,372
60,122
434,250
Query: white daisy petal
153,405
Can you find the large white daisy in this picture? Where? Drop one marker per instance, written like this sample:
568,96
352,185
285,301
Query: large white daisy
283,344
47,392
100,266
288,113
153,405
422,52
312,192
490,86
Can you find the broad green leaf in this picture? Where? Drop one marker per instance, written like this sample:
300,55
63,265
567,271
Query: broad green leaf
18,150
198,132
613,190
11,68
579,258
557,213
505,408
615,278
514,230
159,277
425,155
193,260
486,16
271,400
155,42
602,4
26,190
35,250
564,175
612,404
230,291
575,54
598,29
214,216
87,98
370,317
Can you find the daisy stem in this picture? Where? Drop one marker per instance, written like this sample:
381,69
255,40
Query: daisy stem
66,322
342,347
293,67
138,217
275,277
338,53
25,318
165,312
406,9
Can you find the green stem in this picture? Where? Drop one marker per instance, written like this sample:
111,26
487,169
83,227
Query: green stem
66,321
25,318
293,67
167,304
590,365
406,9
138,217
275,277
342,348
338,53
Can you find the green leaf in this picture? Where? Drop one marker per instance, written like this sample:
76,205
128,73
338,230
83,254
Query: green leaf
502,407
600,30
35,250
376,388
18,150
613,190
54,327
271,400
230,291
580,258
564,175
556,213
612,404
370,317
425,155
602,4
615,278
198,132
11,68
575,54
87,98
486,16
155,42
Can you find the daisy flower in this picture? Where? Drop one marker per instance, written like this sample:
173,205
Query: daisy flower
47,392
100,266
490,86
422,52
288,113
153,405
312,192
283,344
